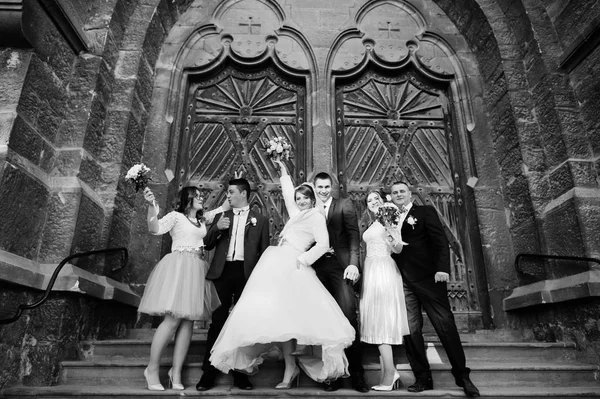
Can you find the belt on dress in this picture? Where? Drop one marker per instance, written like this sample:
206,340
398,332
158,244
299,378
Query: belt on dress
189,250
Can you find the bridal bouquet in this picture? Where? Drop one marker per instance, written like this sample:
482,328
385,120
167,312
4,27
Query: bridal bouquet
138,175
388,215
278,147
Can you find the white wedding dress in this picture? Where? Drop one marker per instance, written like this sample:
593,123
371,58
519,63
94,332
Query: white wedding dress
282,302
383,316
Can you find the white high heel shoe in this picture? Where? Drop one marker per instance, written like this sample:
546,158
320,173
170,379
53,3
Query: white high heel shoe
288,385
152,387
395,384
177,387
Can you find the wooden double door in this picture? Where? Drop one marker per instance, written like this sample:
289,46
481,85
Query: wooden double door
387,128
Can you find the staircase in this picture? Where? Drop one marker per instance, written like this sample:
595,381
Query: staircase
502,367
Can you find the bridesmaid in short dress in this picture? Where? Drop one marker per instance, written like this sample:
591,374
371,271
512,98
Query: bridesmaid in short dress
177,288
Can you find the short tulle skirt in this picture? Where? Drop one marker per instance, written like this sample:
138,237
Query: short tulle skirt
177,286
383,316
281,302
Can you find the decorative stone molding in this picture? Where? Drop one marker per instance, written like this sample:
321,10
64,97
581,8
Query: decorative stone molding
582,285
583,46
404,39
18,270
67,22
251,35
19,24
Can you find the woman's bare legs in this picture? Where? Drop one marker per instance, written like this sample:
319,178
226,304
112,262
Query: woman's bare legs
161,338
291,369
389,368
183,338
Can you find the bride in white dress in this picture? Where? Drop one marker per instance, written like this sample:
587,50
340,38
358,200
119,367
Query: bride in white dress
284,301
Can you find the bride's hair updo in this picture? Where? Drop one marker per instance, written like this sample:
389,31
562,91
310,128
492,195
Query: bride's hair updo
306,190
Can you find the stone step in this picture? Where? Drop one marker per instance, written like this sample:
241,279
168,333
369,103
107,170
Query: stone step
466,322
487,374
104,392
474,351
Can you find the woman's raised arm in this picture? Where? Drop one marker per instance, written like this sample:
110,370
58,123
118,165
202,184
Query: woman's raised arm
287,189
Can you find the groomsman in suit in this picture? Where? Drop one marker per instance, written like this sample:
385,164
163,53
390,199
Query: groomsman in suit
239,237
338,269
425,267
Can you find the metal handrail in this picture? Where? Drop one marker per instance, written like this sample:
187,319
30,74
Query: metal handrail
558,257
23,307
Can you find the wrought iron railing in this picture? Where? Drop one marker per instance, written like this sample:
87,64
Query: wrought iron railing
23,307
535,271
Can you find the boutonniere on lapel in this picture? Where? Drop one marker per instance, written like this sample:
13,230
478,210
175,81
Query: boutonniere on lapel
412,221
252,220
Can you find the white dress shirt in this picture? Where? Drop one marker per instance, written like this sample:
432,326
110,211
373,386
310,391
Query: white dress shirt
404,214
327,205
238,226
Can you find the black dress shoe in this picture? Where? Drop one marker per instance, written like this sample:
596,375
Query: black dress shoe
469,388
359,384
242,382
331,386
421,385
207,381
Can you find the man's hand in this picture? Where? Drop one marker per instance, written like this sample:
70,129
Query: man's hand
442,277
352,273
223,223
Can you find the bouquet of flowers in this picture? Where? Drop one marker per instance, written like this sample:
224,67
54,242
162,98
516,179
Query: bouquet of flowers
388,215
138,174
278,147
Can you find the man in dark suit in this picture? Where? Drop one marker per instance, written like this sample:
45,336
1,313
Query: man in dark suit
425,267
338,269
239,237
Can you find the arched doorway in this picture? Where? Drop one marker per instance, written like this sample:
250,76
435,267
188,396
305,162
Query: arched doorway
229,115
397,125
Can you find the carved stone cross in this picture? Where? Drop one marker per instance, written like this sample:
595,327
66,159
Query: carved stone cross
388,28
250,24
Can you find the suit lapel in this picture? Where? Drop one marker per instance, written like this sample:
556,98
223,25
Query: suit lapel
409,214
248,224
230,215
331,210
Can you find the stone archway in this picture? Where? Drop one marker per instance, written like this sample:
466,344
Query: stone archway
242,39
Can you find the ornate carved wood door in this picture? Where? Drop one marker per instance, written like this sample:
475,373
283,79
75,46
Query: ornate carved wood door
399,128
227,118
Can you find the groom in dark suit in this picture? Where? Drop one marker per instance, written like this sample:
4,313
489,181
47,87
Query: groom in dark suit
338,269
425,267
239,237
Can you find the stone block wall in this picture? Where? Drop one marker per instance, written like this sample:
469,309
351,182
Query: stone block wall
568,211
68,122
32,347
